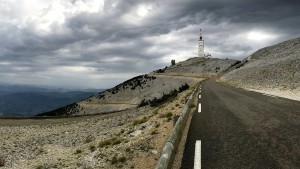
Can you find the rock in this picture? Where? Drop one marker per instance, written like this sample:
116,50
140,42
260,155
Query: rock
154,152
136,133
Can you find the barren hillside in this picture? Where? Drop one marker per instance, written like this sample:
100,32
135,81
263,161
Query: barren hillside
136,92
274,70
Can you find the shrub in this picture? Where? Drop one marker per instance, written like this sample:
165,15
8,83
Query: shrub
89,139
154,132
127,149
139,121
167,115
114,160
40,167
122,159
156,125
155,112
78,151
104,143
2,161
92,148
193,105
117,141
112,141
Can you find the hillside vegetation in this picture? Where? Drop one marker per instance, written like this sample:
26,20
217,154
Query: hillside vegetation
274,70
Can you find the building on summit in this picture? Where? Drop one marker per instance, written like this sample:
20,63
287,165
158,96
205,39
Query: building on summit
201,47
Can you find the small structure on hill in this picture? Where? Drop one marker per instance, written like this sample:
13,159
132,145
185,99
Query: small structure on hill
208,56
173,62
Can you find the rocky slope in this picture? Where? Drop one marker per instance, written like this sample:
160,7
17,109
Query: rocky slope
274,70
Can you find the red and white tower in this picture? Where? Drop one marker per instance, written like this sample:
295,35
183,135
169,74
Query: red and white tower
201,46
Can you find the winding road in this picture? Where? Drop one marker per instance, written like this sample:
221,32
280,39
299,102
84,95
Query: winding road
242,129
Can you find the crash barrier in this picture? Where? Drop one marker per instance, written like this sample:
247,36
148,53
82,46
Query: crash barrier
164,161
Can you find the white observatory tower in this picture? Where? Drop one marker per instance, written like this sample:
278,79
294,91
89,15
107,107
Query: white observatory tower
201,46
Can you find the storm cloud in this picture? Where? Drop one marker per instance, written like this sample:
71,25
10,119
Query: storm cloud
99,43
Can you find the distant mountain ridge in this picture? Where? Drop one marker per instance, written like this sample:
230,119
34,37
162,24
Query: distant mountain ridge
19,100
32,88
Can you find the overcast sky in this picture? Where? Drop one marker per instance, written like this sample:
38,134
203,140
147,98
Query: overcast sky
100,43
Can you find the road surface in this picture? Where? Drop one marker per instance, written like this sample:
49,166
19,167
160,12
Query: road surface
241,129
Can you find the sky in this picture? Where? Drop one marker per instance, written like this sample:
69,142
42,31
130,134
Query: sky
100,43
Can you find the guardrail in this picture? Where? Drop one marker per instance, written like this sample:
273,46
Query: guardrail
164,161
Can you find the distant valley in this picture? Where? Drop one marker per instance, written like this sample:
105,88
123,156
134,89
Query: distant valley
19,100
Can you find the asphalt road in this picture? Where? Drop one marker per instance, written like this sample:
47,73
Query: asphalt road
241,129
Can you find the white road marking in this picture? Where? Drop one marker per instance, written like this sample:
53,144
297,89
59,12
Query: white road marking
199,96
197,159
199,108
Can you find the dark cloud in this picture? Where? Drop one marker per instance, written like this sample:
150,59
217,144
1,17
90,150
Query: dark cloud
105,42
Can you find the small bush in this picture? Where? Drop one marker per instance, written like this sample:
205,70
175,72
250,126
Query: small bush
154,132
78,151
155,112
115,142
104,143
122,159
89,139
127,149
167,115
139,121
193,105
92,148
2,161
40,167
157,125
112,141
114,160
